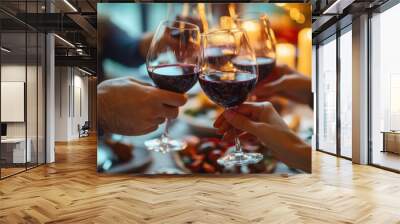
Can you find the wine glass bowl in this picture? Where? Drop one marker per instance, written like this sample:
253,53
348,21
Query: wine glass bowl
178,78
262,39
229,78
173,63
228,89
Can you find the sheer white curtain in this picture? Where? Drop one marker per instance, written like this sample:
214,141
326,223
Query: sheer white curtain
346,94
327,96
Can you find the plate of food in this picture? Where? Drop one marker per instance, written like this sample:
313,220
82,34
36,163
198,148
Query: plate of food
200,113
120,156
202,154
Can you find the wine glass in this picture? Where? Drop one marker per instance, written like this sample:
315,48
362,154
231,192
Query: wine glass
199,14
262,39
228,80
173,63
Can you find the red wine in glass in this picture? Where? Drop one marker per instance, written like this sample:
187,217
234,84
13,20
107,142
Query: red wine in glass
218,56
173,63
228,89
263,43
227,78
178,78
265,65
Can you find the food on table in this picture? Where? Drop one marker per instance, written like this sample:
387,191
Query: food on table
202,154
124,152
203,106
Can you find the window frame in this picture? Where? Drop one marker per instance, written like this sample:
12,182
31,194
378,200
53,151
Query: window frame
333,37
381,9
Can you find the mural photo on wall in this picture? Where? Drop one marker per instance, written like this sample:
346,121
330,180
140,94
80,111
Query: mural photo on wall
198,88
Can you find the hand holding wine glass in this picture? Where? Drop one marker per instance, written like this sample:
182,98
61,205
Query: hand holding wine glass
173,63
151,106
227,82
263,122
289,84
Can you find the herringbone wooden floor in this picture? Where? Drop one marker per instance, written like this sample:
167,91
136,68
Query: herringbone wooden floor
70,191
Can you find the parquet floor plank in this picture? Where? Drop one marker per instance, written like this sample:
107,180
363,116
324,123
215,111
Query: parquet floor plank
70,191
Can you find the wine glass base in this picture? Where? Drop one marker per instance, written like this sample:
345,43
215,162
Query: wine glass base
240,159
165,145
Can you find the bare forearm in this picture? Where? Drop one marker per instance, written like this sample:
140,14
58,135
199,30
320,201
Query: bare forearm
294,152
299,158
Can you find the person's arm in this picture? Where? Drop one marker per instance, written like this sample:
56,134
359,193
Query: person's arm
289,84
262,121
128,107
118,45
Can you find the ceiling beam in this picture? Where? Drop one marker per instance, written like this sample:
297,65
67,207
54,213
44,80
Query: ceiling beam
84,24
337,7
81,61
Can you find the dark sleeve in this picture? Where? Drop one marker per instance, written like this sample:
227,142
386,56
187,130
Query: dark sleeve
311,102
121,47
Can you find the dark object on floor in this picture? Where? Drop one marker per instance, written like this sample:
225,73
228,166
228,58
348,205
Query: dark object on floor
84,130
391,141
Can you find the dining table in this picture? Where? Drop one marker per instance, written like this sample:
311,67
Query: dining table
145,161
158,162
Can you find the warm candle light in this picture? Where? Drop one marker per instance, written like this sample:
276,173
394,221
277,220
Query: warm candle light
285,54
226,22
185,9
305,49
250,26
202,15
252,29
232,9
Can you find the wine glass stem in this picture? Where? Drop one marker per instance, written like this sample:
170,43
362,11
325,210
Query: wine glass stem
238,147
164,136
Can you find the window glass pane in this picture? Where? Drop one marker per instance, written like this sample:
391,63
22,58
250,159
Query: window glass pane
346,94
327,96
31,88
385,84
31,97
22,89
13,87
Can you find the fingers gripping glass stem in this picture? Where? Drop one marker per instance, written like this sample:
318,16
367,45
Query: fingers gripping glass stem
165,144
238,157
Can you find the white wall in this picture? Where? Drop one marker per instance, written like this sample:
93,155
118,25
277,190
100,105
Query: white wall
71,94
61,103
12,73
